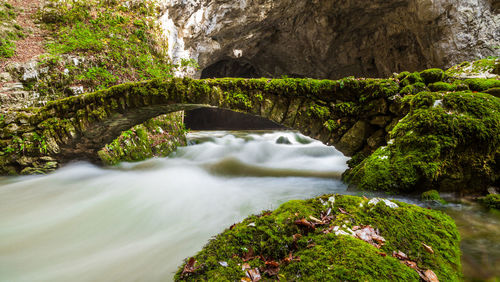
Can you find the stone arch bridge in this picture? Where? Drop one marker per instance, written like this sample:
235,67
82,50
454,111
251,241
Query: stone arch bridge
354,115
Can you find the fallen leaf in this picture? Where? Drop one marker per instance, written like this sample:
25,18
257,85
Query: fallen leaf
311,245
303,222
254,274
245,266
343,211
428,248
232,226
190,267
223,263
411,264
429,276
319,222
382,254
246,279
400,255
290,258
272,268
369,235
248,255
354,228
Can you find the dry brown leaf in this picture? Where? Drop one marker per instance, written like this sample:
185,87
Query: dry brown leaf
190,267
369,235
254,274
303,222
245,266
429,276
248,255
320,222
343,211
400,255
428,248
246,279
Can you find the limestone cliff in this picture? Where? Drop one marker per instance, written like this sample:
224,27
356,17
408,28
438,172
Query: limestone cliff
329,39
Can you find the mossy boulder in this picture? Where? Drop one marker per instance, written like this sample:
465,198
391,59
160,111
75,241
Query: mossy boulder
491,201
442,86
432,196
447,141
432,75
479,84
312,240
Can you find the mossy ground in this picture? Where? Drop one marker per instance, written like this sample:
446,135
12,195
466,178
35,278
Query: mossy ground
10,31
110,42
324,256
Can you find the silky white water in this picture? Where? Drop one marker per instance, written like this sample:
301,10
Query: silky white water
138,221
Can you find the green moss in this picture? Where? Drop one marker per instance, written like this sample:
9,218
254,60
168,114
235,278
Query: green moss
323,256
411,78
481,84
432,195
157,137
473,68
442,86
447,141
491,201
413,88
9,31
432,75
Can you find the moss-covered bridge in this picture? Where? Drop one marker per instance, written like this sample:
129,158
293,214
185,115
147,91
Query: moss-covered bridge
357,116
344,113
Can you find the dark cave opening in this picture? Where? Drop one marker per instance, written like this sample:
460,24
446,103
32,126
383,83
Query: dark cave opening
230,68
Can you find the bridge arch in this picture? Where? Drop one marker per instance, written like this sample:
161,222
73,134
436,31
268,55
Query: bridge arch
354,115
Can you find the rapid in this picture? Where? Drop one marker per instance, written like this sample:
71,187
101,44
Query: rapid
138,221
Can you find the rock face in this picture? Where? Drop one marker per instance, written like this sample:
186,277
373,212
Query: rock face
329,39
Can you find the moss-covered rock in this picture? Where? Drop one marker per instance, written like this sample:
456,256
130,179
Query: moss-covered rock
491,201
480,68
442,86
479,84
313,240
432,75
433,196
157,137
448,142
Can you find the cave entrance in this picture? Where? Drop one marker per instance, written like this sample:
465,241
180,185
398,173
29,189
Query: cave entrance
222,119
230,68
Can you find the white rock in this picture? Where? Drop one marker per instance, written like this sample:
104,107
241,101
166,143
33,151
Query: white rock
388,203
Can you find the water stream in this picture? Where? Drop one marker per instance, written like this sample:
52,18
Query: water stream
138,221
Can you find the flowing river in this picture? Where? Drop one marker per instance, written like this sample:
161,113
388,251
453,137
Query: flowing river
138,221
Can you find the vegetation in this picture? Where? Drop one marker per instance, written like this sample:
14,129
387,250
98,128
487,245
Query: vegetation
100,43
154,138
491,201
9,30
444,140
313,240
432,195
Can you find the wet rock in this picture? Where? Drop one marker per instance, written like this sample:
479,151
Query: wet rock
283,140
353,139
380,120
376,139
